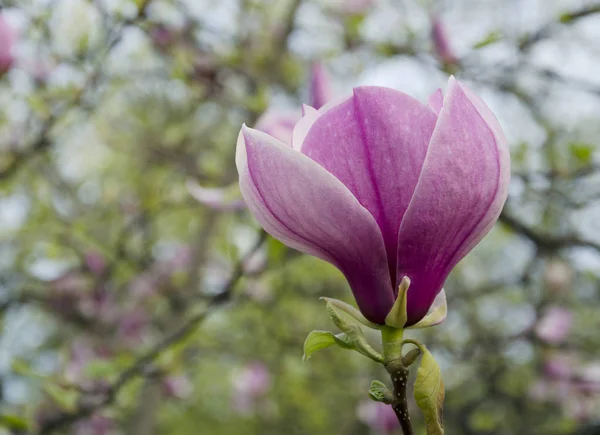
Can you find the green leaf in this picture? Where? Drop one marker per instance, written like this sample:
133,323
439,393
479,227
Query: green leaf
63,397
13,422
491,38
566,18
380,393
23,368
429,393
100,368
582,152
318,340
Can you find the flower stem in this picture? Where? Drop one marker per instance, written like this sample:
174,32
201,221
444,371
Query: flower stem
399,375
391,340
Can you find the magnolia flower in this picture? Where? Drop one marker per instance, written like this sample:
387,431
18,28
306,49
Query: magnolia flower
555,325
7,41
250,384
382,187
95,262
380,417
177,386
441,43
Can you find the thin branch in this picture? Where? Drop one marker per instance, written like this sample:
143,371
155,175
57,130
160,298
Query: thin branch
547,30
545,241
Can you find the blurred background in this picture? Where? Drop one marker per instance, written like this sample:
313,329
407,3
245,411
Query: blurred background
138,296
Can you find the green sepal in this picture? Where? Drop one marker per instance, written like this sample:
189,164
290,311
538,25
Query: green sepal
352,312
435,316
429,393
397,316
351,327
380,393
318,340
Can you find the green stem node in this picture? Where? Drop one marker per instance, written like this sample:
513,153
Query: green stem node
391,341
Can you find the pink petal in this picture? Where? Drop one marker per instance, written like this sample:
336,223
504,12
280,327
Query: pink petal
301,204
461,190
217,198
279,124
309,116
441,42
554,327
7,41
436,101
375,143
320,88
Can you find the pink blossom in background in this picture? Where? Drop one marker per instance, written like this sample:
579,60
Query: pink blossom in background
7,41
143,286
95,425
160,273
177,386
570,384
277,123
178,262
256,263
259,291
558,276
70,282
560,366
216,198
380,417
75,296
134,325
162,36
554,327
100,305
38,66
95,262
320,89
352,7
81,353
368,185
280,123
441,42
250,384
